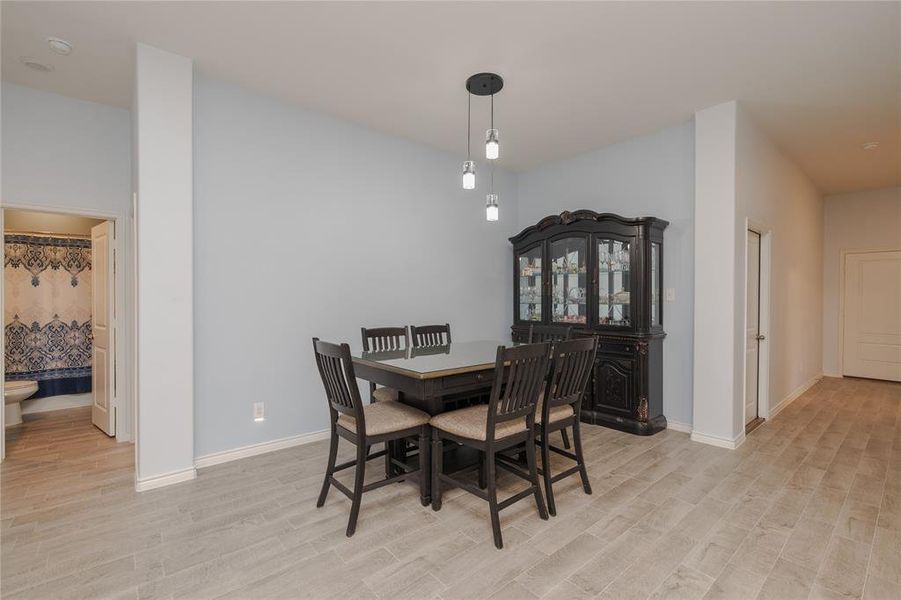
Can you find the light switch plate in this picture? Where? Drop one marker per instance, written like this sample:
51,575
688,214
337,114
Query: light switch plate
258,414
670,294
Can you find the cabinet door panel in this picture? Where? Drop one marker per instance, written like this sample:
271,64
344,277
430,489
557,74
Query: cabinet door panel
614,381
530,285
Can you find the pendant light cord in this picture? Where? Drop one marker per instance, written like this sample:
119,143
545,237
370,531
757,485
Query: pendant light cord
468,125
492,111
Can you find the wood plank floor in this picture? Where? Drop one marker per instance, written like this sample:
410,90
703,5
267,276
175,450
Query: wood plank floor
808,507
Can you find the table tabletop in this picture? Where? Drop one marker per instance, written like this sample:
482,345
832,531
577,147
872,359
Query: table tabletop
434,362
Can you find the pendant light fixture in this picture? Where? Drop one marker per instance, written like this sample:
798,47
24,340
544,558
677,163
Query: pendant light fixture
469,167
481,84
492,144
491,210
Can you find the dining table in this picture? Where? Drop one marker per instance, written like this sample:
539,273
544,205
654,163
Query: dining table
434,379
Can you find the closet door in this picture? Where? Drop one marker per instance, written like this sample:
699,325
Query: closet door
103,413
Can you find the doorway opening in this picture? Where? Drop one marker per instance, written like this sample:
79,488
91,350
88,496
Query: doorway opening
756,320
61,330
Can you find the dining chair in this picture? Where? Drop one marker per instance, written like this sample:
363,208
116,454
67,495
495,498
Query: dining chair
549,333
384,339
508,420
363,426
430,335
559,408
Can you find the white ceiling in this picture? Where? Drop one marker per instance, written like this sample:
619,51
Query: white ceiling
821,78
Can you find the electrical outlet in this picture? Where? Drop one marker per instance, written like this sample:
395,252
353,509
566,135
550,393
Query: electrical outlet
670,294
258,411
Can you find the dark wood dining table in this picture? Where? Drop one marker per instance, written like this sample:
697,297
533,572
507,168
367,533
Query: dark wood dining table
433,379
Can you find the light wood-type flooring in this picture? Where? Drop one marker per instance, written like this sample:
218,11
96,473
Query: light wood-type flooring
808,507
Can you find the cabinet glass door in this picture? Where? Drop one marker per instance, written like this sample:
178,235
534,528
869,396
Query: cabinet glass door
529,272
569,277
614,283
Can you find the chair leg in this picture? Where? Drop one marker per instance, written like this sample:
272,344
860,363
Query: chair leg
437,466
565,438
359,476
389,447
546,473
483,478
533,473
329,469
492,500
583,472
424,465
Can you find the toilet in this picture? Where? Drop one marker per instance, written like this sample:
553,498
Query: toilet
13,394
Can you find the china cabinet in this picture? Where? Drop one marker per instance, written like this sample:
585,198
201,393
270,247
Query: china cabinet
601,275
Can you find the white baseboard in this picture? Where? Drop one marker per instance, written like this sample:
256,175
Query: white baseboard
151,483
830,374
60,402
793,396
678,426
217,458
719,442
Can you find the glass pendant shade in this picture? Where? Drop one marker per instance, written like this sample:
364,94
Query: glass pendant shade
492,144
469,175
491,210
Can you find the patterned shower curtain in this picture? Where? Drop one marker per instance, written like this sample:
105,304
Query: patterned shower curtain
47,306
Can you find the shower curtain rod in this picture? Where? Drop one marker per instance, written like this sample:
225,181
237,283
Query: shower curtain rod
74,236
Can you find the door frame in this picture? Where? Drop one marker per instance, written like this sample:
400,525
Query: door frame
763,325
841,300
126,415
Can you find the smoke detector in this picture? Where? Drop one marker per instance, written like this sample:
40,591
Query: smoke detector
35,65
871,145
59,46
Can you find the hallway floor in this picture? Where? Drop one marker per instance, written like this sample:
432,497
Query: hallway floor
808,507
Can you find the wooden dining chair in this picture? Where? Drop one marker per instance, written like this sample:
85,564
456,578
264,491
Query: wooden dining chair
363,426
508,420
430,335
384,339
559,408
549,333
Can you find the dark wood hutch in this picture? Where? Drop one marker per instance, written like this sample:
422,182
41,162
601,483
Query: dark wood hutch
601,274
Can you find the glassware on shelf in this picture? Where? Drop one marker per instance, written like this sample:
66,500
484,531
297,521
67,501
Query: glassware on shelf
614,282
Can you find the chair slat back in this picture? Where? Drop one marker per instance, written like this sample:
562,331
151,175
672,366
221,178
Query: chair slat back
383,339
424,336
571,363
336,369
518,375
549,333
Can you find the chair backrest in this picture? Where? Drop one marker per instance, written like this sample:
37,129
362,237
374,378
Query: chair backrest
380,339
430,335
571,363
519,373
549,333
337,371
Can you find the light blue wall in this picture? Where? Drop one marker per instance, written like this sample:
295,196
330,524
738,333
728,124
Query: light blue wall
59,152
652,175
311,226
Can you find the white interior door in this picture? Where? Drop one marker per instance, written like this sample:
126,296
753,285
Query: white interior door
752,334
872,311
103,413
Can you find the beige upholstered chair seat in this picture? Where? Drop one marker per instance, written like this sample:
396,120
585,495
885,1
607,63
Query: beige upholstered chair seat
385,417
383,394
472,423
558,413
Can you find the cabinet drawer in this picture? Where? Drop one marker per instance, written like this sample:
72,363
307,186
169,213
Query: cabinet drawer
464,380
625,348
